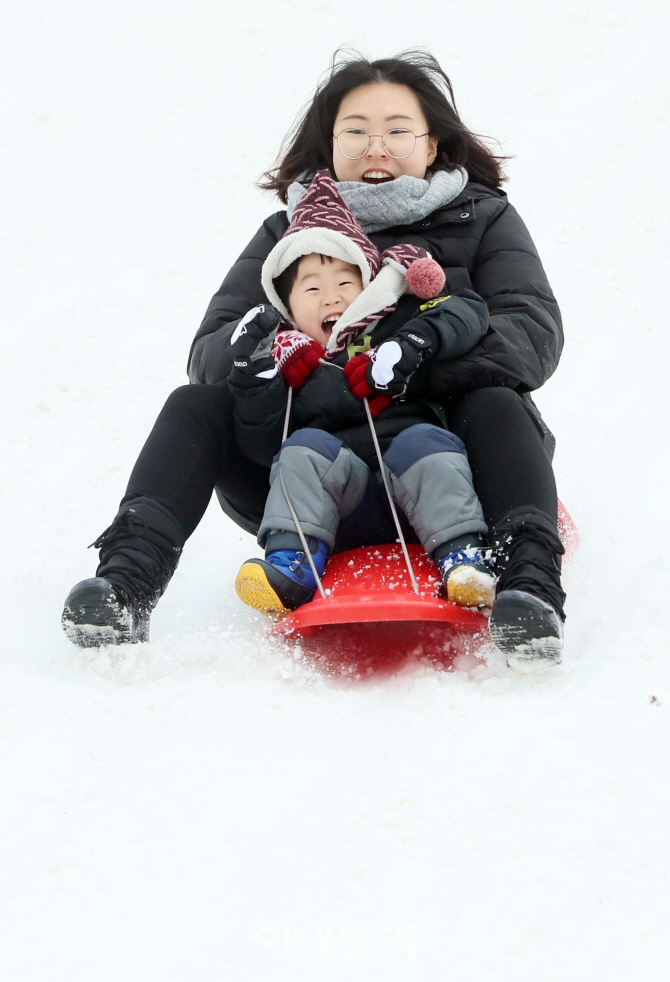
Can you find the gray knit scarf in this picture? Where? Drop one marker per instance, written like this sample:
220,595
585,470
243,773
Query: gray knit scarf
400,202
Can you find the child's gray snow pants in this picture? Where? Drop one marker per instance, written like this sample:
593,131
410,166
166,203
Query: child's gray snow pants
428,472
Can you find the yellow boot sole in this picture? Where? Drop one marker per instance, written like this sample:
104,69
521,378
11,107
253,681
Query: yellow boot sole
469,587
253,589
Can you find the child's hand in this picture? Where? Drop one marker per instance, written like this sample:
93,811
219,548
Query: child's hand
386,370
296,356
251,345
355,372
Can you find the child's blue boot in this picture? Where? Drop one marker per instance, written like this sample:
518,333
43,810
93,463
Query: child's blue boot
467,575
283,580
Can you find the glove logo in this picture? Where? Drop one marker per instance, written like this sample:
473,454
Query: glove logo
417,339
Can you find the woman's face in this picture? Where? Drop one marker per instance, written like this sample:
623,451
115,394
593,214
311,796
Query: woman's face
375,109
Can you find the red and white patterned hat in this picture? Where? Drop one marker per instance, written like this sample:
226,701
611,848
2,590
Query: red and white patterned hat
323,224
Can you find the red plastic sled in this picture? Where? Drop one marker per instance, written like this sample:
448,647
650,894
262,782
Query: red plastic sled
567,531
371,620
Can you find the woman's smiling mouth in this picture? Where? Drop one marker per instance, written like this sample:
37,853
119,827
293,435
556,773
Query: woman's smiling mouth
376,176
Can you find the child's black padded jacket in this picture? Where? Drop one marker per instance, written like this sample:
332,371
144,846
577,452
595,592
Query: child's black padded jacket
483,245
456,322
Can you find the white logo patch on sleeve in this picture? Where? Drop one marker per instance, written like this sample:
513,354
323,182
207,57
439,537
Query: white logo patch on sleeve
385,359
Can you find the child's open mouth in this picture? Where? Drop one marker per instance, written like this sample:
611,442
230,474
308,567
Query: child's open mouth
328,323
376,177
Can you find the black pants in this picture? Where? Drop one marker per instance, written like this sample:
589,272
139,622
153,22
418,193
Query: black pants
191,451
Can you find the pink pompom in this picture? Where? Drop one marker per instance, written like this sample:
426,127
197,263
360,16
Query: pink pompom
425,278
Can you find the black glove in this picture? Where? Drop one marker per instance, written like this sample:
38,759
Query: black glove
251,345
387,369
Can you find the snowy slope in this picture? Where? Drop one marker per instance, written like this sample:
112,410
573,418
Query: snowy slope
205,806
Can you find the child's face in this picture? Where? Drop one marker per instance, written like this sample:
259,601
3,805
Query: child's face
323,290
375,109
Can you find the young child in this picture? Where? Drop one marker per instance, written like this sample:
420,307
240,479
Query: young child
353,335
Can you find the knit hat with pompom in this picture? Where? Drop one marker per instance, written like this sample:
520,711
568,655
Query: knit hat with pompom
323,224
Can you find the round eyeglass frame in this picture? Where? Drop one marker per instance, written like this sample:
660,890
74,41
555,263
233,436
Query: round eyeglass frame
371,136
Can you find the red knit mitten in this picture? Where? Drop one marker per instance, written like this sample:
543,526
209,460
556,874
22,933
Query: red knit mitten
378,404
355,372
296,356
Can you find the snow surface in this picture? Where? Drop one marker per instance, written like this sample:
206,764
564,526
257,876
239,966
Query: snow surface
206,806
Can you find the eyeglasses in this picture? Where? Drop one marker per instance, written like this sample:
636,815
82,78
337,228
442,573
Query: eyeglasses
354,143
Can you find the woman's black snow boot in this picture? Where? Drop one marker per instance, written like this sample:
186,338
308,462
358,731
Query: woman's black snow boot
527,617
139,553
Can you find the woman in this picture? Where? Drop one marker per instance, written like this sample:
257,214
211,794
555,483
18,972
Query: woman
411,172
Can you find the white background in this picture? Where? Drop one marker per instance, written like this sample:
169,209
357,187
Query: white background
205,806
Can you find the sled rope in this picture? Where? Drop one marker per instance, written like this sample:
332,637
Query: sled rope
287,415
401,537
382,470
305,544
294,516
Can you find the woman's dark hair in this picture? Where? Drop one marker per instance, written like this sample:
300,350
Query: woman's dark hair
308,146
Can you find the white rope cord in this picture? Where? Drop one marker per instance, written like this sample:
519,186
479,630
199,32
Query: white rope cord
401,537
287,417
294,516
305,544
